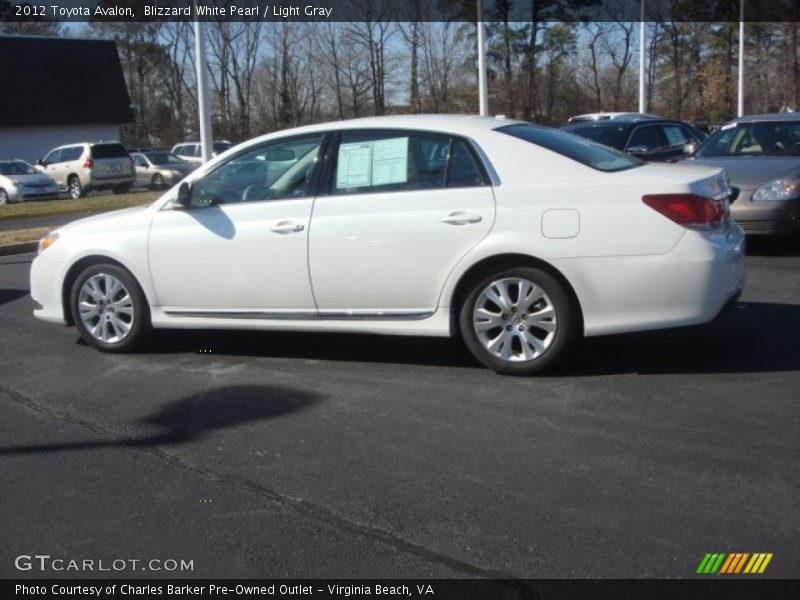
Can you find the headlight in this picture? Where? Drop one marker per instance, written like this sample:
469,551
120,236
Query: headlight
778,189
47,241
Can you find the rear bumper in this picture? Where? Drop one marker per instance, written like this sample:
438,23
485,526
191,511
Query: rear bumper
107,182
690,285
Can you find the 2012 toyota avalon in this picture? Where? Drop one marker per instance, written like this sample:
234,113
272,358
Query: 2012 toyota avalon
519,238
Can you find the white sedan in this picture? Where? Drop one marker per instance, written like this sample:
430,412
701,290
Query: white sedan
519,238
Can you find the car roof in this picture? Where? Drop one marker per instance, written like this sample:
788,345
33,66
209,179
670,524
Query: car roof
623,122
440,123
786,116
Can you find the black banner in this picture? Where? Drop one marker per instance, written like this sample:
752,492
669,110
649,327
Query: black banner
416,589
516,11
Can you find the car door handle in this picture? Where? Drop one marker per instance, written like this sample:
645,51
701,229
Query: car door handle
461,218
287,227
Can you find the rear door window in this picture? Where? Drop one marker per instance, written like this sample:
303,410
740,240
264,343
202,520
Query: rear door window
71,153
390,162
463,170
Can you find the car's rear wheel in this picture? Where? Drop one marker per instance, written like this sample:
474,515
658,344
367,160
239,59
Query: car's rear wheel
158,181
109,308
3,197
74,187
519,321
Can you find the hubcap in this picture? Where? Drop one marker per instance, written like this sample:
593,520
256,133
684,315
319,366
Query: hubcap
106,308
75,188
514,319
3,197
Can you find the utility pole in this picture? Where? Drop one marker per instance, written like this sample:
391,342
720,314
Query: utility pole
203,101
483,93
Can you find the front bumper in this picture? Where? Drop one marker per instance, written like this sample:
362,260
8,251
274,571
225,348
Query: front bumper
766,218
46,282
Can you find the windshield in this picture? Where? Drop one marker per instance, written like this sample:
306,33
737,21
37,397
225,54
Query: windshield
164,158
16,167
753,139
613,136
578,149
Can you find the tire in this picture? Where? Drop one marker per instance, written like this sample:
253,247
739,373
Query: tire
3,197
91,306
519,337
74,187
158,181
122,189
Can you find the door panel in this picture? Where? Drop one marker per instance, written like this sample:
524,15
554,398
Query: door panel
227,257
243,243
393,250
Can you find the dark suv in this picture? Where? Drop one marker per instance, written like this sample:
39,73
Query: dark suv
649,138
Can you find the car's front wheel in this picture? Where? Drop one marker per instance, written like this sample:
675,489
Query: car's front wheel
519,321
158,181
3,197
109,308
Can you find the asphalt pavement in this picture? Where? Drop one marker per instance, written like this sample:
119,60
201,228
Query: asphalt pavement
308,455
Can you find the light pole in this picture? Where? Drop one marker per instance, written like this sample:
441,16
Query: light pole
483,94
642,95
740,106
203,102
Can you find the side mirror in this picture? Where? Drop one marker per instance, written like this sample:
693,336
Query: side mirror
688,149
638,150
184,198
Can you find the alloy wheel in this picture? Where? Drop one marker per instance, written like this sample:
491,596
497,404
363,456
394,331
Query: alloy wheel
514,319
106,308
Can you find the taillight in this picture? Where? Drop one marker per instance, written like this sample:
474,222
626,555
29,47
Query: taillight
88,163
689,210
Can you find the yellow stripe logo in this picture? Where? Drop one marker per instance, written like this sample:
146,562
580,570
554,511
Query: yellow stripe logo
734,563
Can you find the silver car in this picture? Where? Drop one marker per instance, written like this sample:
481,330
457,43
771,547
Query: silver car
191,151
159,169
761,154
79,168
20,181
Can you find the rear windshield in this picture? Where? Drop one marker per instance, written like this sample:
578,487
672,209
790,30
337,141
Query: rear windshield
101,151
220,147
613,136
578,149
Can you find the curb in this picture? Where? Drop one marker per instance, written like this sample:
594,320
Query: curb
20,248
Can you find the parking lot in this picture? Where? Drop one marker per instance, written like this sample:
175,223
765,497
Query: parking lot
308,455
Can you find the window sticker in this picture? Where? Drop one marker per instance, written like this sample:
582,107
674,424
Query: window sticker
363,164
353,170
390,161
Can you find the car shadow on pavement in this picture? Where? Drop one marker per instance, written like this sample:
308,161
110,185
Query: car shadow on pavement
432,351
194,417
9,295
754,337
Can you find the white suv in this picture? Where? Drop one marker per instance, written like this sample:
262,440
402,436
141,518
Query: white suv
79,168
193,153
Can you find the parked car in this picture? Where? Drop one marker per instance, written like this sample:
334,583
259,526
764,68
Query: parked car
520,238
604,116
191,151
647,137
81,168
20,181
761,154
160,169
